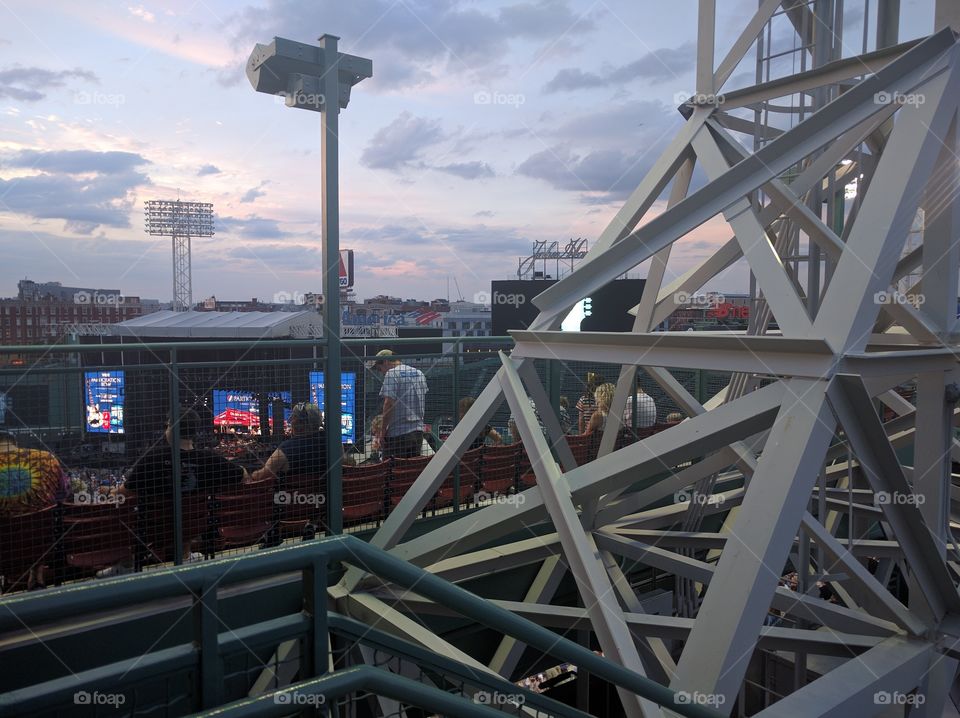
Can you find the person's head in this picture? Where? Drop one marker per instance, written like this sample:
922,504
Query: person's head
8,437
376,423
384,361
593,381
674,417
463,406
189,422
604,396
639,385
564,403
306,418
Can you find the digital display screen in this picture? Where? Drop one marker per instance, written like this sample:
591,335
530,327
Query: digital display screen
242,408
348,401
103,398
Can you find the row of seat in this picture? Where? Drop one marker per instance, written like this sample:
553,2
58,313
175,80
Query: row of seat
76,540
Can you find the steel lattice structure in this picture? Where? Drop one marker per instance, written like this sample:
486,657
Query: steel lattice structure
794,446
180,221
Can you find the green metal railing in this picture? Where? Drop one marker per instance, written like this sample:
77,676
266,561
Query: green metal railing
200,582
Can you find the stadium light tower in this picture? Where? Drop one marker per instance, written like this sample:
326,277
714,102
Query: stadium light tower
306,75
180,221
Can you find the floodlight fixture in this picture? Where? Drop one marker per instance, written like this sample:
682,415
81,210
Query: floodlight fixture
180,221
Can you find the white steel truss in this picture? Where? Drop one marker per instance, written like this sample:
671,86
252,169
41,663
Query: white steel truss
794,451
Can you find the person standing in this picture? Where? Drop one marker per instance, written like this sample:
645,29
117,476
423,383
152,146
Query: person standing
645,408
404,393
587,404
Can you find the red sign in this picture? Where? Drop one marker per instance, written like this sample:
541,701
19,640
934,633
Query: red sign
729,311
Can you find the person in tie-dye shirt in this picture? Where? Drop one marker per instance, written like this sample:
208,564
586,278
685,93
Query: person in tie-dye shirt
30,479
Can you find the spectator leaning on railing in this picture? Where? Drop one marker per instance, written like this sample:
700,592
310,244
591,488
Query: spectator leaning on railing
404,393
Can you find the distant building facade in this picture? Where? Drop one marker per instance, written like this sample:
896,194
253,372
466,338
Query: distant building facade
43,312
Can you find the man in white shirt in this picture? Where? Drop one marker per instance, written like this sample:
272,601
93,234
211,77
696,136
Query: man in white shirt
646,409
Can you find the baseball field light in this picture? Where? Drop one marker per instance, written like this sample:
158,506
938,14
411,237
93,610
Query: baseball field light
310,77
180,221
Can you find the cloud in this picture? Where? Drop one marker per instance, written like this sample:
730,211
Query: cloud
611,172
252,227
484,213
251,194
141,12
587,153
29,83
468,170
656,66
84,203
76,161
261,257
401,142
86,189
208,170
453,36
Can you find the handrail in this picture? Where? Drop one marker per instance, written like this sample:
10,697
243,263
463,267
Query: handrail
369,636
350,680
239,344
201,579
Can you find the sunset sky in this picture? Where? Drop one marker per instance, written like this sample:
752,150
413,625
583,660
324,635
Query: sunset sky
487,125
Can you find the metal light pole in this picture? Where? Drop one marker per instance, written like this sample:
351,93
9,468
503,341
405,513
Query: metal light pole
308,76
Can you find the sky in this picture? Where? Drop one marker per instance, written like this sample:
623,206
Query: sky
486,126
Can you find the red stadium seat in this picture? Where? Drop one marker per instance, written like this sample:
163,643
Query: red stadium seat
403,473
302,505
95,536
27,542
469,477
363,492
498,468
155,526
244,517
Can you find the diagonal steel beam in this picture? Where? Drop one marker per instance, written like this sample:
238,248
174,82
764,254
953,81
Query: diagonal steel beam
850,109
715,658
580,552
861,687
923,553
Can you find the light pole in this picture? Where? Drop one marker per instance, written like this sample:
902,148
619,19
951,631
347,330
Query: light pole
307,75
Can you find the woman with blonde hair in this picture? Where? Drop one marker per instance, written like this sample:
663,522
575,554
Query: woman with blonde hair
586,405
603,397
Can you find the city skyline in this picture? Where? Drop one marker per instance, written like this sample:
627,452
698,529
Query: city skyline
486,126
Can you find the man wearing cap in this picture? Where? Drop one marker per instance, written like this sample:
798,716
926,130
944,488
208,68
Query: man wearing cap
404,392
